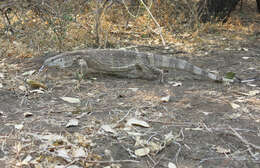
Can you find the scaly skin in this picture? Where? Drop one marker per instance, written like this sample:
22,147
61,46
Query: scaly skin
126,63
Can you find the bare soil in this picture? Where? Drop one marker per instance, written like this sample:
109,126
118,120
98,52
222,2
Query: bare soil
200,114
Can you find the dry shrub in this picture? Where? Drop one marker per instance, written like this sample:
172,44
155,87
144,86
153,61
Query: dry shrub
65,24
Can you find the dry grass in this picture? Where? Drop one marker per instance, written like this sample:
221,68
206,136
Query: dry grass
69,28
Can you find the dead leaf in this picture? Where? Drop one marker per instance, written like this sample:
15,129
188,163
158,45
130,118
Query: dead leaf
251,84
64,153
139,141
35,84
27,159
2,75
37,91
186,34
245,58
133,133
82,140
22,88
168,137
228,49
70,99
133,89
51,138
134,121
251,68
165,99
234,105
18,126
108,128
72,123
243,49
142,151
175,84
27,114
195,129
171,165
253,92
79,152
220,149
155,147
28,73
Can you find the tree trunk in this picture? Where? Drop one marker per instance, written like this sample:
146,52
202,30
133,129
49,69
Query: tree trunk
258,5
215,10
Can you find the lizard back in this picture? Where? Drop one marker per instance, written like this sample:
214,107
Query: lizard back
118,58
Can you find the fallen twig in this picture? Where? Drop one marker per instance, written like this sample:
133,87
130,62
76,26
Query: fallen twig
112,161
243,139
157,162
122,119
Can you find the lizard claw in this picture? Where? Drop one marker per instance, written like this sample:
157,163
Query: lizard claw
42,67
161,76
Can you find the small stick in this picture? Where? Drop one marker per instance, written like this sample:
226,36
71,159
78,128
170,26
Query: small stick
244,140
159,27
122,119
112,161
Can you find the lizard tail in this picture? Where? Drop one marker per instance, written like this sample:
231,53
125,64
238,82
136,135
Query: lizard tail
184,65
174,63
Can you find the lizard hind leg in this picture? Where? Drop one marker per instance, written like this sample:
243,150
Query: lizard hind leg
158,72
149,72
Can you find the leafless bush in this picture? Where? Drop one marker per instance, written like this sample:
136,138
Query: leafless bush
30,18
46,23
65,24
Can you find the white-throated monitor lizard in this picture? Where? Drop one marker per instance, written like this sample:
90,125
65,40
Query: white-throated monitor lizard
124,63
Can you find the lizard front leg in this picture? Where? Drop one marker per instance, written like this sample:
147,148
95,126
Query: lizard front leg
83,67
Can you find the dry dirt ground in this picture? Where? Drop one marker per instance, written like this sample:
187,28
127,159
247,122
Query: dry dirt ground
198,124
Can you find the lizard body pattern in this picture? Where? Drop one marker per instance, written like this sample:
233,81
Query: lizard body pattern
131,64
